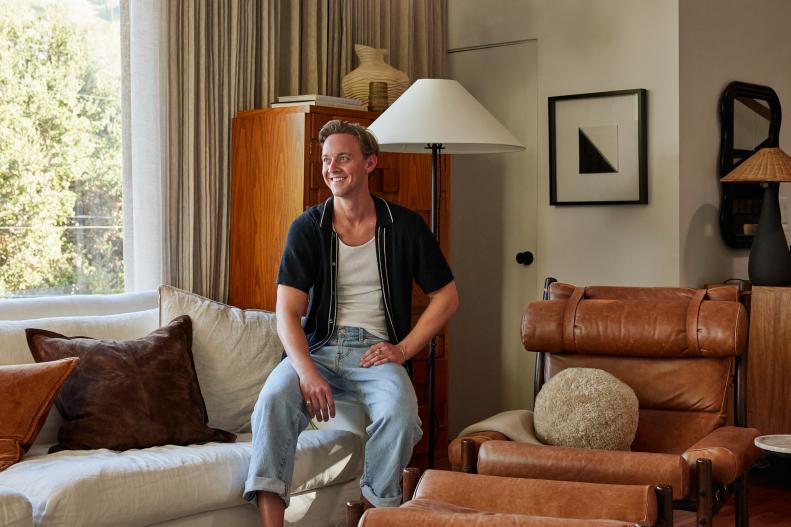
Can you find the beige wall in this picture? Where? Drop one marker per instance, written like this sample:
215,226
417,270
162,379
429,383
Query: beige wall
582,46
722,41
607,45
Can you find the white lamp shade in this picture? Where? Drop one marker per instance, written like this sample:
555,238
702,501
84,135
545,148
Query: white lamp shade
441,111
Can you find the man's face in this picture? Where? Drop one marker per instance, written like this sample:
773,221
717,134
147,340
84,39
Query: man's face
343,166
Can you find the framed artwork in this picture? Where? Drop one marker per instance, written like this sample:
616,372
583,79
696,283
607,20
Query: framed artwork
597,148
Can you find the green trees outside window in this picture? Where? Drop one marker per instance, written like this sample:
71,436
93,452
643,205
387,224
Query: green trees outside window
60,148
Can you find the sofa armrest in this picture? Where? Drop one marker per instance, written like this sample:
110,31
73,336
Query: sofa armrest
731,449
506,458
15,509
537,497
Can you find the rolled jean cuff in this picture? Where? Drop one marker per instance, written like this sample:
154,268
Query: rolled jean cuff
255,485
376,501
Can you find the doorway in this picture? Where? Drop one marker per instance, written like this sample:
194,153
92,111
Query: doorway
493,200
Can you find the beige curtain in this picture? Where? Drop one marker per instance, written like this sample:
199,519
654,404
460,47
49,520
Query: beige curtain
412,30
229,55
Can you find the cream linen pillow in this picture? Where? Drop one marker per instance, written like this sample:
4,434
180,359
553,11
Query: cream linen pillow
234,352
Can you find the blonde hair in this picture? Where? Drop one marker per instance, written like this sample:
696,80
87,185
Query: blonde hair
367,140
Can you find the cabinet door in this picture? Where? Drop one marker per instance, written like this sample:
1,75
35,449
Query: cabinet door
769,360
266,195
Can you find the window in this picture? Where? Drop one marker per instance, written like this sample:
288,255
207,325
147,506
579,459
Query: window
61,224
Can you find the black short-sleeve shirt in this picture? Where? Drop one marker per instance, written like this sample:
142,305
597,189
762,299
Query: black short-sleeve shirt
406,251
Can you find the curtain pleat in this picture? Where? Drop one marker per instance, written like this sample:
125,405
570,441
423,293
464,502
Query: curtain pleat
413,31
229,55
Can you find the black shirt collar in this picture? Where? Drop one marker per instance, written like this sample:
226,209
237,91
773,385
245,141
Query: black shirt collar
384,216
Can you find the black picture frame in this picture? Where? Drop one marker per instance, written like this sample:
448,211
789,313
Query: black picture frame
626,137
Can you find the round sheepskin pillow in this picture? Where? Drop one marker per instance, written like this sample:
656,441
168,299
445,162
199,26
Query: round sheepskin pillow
586,408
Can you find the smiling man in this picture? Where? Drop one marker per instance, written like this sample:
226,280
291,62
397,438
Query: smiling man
349,263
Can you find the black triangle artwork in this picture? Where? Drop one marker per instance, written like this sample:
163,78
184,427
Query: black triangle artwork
592,161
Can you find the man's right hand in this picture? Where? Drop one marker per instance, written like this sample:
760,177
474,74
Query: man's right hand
318,396
292,303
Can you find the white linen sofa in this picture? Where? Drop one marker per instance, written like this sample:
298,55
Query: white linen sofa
196,485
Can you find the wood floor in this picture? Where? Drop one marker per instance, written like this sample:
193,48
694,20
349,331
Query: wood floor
768,499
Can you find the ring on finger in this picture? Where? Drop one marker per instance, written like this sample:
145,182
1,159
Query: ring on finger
379,351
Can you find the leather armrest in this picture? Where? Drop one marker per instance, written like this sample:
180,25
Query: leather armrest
731,450
536,497
519,460
479,438
432,514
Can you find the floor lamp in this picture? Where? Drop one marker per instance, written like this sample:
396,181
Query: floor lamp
439,115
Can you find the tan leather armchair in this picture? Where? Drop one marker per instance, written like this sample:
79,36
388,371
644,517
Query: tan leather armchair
454,499
679,349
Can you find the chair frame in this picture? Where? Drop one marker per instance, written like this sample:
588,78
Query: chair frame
409,479
710,497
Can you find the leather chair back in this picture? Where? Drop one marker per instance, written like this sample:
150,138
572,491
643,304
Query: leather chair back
675,347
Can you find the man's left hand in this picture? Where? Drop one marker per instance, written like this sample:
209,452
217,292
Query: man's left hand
382,353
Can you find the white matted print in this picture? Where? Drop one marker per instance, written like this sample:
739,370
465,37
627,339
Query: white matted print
597,148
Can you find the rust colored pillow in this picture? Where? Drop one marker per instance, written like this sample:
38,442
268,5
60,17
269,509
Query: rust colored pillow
129,394
26,395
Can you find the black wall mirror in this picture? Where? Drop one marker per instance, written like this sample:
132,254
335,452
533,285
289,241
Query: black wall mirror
749,120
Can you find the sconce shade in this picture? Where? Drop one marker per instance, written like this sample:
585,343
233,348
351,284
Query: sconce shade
765,166
441,111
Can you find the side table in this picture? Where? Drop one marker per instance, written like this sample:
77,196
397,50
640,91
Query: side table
778,447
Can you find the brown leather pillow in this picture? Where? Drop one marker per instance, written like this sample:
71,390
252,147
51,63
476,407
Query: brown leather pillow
129,394
26,395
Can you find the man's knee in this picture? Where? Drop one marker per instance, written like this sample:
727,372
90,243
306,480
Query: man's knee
401,413
281,392
283,381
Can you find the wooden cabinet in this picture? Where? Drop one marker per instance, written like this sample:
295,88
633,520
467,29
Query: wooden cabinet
276,174
769,361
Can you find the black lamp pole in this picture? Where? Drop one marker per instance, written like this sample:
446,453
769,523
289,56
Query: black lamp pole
432,418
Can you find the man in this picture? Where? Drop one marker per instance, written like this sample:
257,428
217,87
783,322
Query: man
349,263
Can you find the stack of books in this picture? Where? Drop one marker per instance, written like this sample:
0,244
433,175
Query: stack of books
320,100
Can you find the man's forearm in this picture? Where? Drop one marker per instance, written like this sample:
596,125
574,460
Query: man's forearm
442,305
292,336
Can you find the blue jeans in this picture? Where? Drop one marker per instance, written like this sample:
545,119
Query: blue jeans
390,402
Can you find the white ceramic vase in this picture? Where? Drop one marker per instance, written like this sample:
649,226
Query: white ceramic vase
373,68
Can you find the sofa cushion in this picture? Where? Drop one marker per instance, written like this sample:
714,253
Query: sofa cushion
128,394
142,487
26,395
15,509
234,351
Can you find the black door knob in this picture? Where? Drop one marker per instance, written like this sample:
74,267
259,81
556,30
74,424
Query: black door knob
524,258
